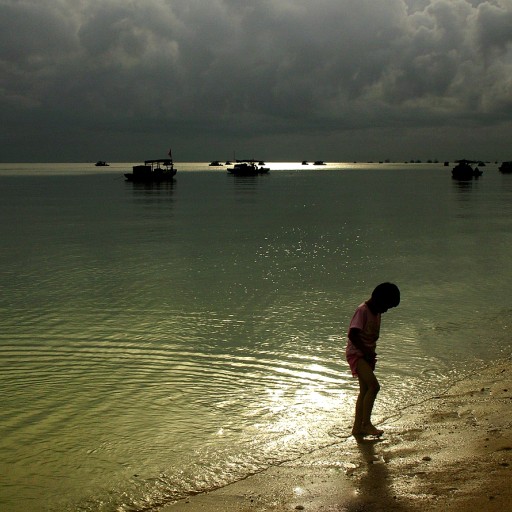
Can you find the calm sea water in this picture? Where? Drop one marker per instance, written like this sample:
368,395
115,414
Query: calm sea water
157,341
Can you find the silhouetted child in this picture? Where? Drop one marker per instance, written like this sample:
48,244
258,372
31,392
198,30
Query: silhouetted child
363,334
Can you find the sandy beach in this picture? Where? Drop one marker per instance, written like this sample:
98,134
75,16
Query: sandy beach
452,452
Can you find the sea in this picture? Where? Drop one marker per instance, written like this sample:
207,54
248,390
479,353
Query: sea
159,341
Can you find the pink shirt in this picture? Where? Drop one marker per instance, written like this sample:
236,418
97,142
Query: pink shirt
369,327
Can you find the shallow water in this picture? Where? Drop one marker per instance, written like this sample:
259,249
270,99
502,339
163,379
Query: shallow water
156,341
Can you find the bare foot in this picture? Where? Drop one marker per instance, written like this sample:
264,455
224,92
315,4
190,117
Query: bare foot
370,430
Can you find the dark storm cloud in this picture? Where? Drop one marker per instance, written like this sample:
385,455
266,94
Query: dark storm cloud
233,68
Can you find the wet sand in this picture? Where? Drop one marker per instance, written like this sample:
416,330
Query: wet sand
452,452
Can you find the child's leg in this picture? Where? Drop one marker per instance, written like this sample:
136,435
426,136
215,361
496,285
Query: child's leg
358,417
368,388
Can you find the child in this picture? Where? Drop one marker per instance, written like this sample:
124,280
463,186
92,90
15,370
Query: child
363,334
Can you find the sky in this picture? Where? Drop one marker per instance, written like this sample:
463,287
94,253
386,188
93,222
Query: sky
276,80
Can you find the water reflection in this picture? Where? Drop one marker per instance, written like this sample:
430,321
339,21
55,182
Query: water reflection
153,194
245,187
152,187
463,185
464,191
245,182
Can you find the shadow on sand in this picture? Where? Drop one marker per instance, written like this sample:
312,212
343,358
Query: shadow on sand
374,488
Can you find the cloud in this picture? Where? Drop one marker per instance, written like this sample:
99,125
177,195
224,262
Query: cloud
239,68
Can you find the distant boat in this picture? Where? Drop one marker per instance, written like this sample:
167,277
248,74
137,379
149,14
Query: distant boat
153,171
216,163
305,162
247,168
464,171
319,162
505,167
101,163
244,169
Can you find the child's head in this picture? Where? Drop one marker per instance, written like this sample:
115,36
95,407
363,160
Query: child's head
386,296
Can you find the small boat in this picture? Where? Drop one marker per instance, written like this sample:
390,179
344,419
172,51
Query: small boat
216,163
505,167
101,163
244,169
247,168
319,162
153,171
464,171
305,162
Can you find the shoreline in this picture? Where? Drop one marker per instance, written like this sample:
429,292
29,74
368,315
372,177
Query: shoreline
451,452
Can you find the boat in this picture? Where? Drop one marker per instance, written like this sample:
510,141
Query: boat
101,163
464,171
153,171
505,167
216,163
247,168
319,162
305,162
244,169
